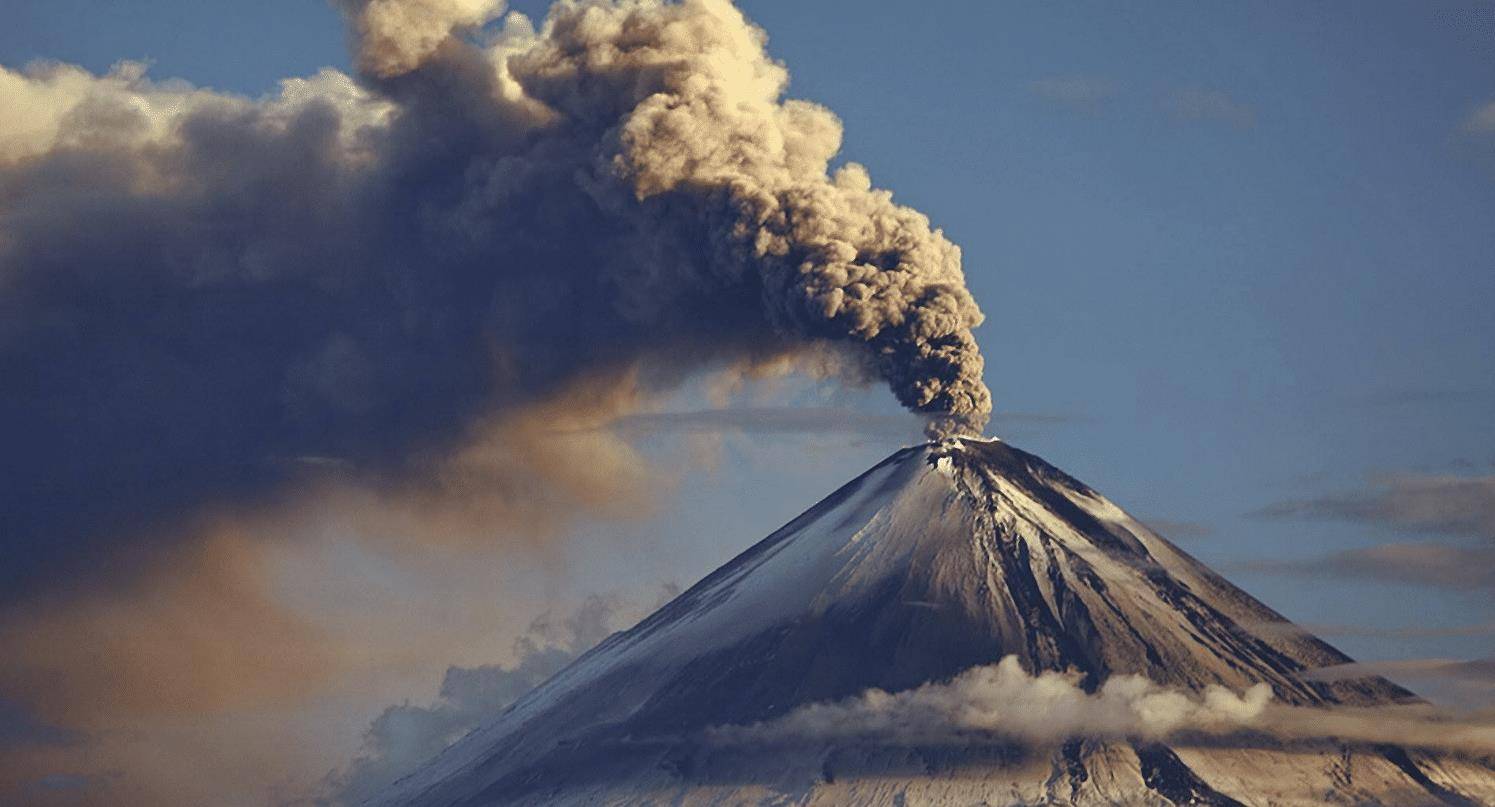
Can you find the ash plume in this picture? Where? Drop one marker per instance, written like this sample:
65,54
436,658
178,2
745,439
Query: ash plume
197,288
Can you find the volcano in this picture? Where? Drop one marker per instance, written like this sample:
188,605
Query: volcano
942,558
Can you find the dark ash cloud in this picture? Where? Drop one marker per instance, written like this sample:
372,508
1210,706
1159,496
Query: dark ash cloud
196,287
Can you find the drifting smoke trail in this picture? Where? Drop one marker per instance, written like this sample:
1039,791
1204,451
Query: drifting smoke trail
199,289
707,145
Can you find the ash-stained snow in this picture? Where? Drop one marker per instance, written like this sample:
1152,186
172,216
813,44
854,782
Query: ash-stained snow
943,557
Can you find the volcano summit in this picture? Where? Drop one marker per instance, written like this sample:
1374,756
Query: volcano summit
963,623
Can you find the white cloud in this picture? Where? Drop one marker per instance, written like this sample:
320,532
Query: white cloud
1003,700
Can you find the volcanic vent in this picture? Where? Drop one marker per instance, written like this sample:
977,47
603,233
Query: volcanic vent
943,557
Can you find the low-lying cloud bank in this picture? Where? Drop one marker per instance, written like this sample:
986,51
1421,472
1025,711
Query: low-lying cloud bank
1003,700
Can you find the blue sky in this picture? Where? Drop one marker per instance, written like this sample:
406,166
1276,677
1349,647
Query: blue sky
1236,255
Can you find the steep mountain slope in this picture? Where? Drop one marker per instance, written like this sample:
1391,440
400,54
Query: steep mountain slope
941,558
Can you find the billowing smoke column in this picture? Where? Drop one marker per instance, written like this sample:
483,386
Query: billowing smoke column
200,290
706,137
679,114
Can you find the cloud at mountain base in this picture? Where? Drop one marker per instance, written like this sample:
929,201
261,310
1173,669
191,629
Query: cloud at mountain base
1004,701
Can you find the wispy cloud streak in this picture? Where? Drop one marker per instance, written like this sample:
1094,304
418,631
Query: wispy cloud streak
1435,565
1461,507
1451,505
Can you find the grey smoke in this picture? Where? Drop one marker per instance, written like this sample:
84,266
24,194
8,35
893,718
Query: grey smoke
195,286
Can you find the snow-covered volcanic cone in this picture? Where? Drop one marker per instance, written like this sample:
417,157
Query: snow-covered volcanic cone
942,558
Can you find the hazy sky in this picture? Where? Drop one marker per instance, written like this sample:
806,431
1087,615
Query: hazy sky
1237,262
